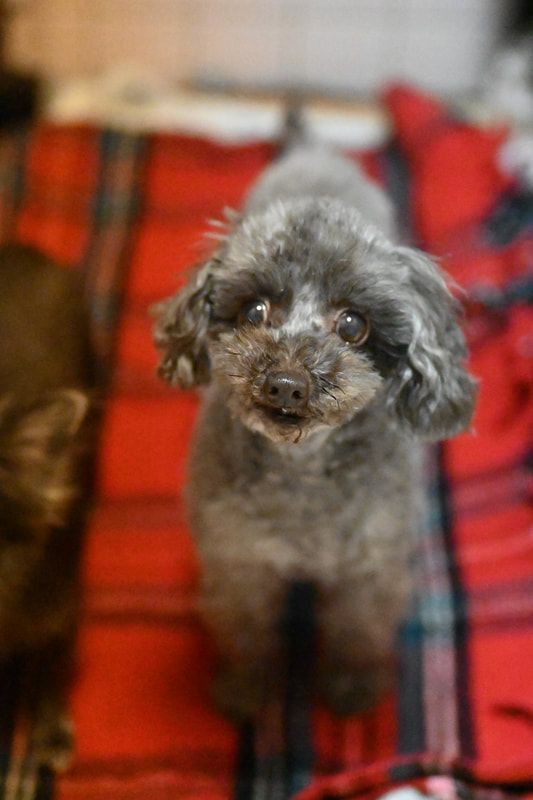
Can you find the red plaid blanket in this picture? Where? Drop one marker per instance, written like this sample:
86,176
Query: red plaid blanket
130,211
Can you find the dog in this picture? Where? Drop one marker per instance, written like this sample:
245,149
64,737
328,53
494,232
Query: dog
46,381
328,353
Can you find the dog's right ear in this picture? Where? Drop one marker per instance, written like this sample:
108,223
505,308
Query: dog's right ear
180,331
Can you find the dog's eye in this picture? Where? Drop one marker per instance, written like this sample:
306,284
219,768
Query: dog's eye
352,327
255,313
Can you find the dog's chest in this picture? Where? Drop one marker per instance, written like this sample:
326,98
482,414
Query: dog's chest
305,511
300,512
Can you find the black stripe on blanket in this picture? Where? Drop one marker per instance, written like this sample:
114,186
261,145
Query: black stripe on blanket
285,727
459,602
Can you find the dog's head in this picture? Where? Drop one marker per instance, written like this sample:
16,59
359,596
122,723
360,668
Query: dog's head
306,314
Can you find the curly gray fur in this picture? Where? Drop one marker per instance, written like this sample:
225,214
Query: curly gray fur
330,495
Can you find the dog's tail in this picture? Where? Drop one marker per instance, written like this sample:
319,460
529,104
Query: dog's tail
295,130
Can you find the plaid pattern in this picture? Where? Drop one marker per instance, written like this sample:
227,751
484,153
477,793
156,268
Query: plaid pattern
465,694
130,211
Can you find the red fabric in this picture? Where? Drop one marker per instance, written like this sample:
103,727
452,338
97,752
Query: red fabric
455,183
136,207
61,164
145,724
453,167
146,727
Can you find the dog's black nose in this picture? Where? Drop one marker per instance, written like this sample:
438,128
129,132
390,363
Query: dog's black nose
286,390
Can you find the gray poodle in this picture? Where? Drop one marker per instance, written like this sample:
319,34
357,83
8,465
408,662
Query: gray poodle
328,352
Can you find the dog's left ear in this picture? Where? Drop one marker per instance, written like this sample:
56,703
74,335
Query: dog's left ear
431,390
180,331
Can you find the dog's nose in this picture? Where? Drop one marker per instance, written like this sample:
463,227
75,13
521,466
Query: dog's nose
286,390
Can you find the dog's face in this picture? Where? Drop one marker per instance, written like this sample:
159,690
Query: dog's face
306,313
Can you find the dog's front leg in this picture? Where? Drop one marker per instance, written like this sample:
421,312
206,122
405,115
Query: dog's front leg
45,679
50,674
358,620
241,605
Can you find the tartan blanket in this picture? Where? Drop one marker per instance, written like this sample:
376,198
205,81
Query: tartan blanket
129,211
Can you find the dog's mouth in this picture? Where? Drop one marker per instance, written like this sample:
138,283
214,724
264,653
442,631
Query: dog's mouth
282,424
282,416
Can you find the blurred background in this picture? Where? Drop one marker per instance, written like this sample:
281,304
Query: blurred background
140,51
348,46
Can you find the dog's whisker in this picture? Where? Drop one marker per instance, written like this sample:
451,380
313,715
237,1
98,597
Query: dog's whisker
336,386
331,384
332,397
214,235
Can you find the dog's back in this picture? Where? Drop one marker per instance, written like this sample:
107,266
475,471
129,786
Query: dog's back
310,169
43,325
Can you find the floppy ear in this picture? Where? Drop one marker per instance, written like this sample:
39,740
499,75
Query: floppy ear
180,332
431,391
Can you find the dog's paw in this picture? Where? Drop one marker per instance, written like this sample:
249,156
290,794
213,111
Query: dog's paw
48,750
354,691
238,692
52,743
